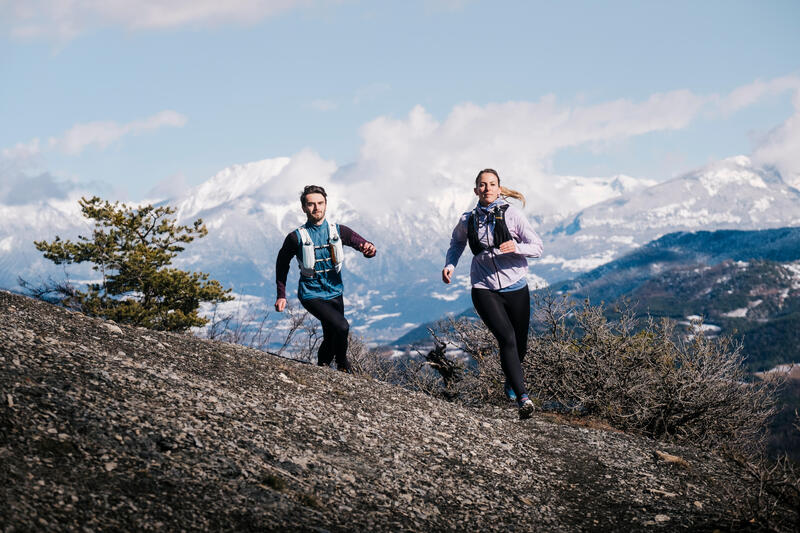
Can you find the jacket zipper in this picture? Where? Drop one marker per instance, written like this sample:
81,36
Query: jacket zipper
491,254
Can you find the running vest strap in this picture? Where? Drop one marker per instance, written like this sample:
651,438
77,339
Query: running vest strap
500,233
308,257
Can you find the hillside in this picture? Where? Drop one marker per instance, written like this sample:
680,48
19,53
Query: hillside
110,427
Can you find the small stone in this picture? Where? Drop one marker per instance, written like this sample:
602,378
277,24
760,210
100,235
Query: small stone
661,518
699,505
112,328
110,466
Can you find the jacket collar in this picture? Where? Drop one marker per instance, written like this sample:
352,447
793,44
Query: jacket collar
487,209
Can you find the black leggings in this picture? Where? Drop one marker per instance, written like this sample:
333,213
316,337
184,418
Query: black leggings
334,331
507,315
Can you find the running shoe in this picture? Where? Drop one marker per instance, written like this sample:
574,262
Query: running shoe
509,390
526,408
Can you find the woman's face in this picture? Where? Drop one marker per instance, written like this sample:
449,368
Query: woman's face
488,188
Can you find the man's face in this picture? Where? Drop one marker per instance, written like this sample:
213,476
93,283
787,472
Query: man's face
314,207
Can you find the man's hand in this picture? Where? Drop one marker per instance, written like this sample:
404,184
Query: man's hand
447,274
508,247
280,304
368,249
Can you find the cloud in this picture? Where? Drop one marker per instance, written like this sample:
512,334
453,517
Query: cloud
22,151
104,133
170,187
780,148
419,160
65,20
22,190
324,105
419,156
751,93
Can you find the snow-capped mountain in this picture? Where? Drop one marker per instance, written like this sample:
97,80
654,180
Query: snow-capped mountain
250,208
728,194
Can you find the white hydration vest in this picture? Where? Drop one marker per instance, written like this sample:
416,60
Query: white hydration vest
308,258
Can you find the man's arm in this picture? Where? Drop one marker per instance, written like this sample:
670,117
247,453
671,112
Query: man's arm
354,240
282,264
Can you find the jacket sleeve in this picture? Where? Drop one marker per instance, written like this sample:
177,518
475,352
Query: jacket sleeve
458,241
528,242
351,238
287,251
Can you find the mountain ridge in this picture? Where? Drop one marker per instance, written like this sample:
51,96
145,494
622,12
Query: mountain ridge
249,209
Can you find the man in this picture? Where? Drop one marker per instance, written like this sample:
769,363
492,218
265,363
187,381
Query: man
317,245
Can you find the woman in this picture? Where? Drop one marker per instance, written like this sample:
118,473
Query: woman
501,239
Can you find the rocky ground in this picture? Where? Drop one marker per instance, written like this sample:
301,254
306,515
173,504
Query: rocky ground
110,427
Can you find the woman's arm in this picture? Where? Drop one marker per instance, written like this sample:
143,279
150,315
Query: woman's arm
458,241
527,241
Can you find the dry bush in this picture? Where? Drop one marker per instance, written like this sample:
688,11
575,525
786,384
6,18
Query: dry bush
773,492
636,376
482,379
640,376
250,326
409,372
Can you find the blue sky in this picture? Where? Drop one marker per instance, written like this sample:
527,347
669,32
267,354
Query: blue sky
125,96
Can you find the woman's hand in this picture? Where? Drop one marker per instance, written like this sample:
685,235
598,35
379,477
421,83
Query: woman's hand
508,247
447,274
280,304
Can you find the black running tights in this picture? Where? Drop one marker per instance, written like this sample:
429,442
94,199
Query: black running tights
507,315
334,331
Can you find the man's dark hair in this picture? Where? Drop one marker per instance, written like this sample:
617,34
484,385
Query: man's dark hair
311,189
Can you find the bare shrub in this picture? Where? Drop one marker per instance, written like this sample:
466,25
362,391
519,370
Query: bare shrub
479,376
56,292
251,327
641,376
409,372
772,494
635,375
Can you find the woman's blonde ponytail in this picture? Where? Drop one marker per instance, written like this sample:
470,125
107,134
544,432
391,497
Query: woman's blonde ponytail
511,193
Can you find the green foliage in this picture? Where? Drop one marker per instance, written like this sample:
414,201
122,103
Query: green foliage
132,249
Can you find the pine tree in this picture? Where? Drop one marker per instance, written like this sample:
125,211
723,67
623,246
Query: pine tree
132,249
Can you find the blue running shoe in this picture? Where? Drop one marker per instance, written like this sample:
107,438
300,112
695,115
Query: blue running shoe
510,394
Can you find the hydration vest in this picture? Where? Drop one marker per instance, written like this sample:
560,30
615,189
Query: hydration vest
308,257
500,233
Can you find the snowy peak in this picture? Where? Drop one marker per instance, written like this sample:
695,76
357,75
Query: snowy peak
579,192
728,194
733,172
234,182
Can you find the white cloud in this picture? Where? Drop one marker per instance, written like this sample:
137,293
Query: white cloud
781,147
170,187
419,156
324,105
21,151
103,133
65,19
751,93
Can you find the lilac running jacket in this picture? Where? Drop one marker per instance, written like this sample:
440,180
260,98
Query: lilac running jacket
491,269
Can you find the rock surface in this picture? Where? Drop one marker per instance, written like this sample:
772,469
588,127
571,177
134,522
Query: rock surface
110,427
